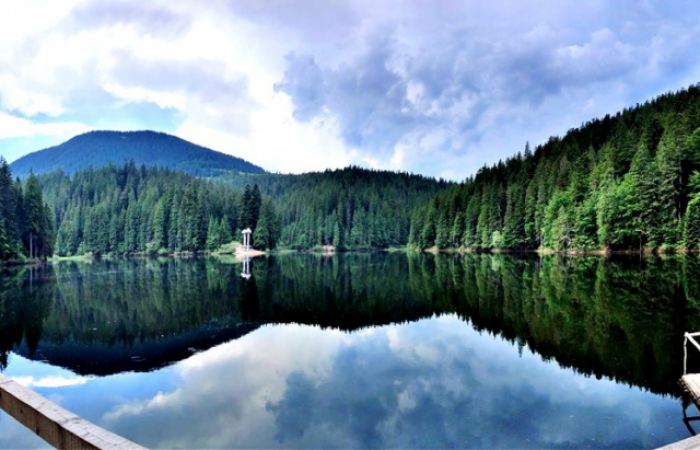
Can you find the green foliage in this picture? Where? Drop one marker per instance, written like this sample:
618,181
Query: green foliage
26,227
250,207
617,213
691,225
442,233
267,229
622,182
126,210
350,208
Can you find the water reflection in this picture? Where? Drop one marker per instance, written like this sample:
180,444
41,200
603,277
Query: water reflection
619,318
429,384
462,366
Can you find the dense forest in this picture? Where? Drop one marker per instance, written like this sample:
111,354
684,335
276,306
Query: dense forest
26,229
152,149
623,182
350,208
126,210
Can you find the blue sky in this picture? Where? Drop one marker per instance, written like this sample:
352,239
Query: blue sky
437,87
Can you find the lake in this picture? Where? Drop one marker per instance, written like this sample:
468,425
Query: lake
358,350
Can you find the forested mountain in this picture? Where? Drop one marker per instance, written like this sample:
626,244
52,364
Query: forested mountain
100,148
126,210
350,208
26,230
623,182
627,181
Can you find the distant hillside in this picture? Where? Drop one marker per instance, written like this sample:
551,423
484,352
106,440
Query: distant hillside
351,208
625,182
100,148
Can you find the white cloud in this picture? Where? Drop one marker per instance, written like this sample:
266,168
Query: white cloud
137,94
436,89
392,386
56,381
13,127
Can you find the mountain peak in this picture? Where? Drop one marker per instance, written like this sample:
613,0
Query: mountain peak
150,148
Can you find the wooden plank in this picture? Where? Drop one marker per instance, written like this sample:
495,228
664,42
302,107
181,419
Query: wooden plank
692,443
57,426
691,384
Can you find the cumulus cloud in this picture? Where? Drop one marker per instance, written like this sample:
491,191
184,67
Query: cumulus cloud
199,88
463,79
147,18
50,381
431,384
439,88
303,82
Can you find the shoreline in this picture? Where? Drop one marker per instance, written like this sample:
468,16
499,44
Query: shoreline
328,251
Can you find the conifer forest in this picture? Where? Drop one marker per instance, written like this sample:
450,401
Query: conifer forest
624,182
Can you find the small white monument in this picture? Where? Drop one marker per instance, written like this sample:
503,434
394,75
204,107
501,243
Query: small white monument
247,234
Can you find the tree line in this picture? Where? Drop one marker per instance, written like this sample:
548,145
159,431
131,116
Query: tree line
349,208
128,209
26,228
623,182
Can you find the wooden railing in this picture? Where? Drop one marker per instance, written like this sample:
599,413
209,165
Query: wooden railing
57,426
689,337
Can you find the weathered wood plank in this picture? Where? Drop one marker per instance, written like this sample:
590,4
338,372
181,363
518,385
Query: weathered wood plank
691,384
692,443
57,426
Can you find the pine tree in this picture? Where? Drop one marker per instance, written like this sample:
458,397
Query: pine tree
35,236
225,229
691,229
261,236
159,226
254,207
213,234
336,231
245,208
442,233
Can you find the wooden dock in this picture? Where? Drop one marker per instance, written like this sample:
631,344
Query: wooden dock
57,426
690,383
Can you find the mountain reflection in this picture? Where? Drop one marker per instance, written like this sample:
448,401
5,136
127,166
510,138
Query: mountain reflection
622,318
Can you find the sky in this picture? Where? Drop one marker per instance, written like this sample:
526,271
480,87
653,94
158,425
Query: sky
436,87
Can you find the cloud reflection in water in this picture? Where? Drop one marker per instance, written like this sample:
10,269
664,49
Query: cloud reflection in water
435,383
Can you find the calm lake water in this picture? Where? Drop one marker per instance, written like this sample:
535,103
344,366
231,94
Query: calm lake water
357,350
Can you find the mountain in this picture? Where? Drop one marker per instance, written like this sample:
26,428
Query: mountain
150,148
